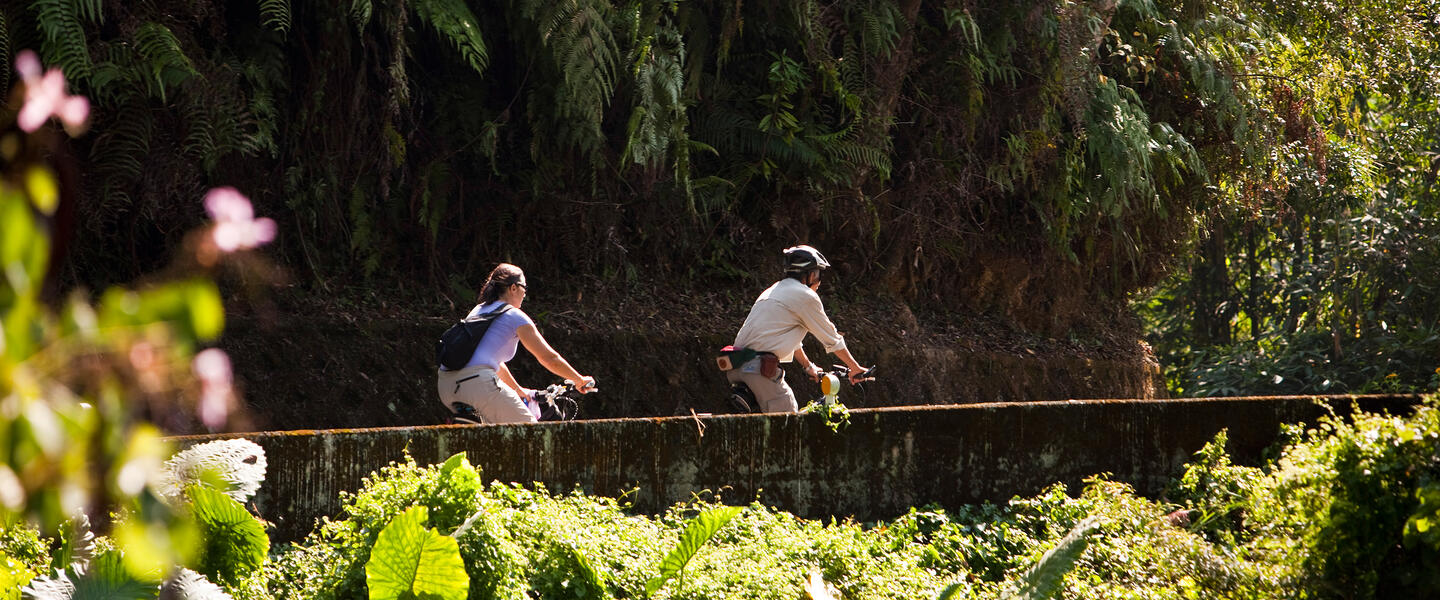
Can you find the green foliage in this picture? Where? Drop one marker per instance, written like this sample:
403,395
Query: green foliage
835,414
161,57
235,543
1217,491
1345,492
104,578
1423,528
1043,580
699,531
1313,282
63,32
275,14
23,556
409,560
79,379
1326,519
1097,135
453,21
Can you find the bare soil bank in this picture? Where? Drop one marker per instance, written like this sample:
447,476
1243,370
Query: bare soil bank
320,368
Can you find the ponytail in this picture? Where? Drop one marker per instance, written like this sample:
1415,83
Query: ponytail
504,276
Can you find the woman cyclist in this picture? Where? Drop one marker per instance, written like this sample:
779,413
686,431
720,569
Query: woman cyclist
485,383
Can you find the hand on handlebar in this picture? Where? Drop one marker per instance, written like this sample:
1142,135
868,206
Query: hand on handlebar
814,372
861,376
585,386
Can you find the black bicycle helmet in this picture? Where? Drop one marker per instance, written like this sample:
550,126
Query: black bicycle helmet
802,258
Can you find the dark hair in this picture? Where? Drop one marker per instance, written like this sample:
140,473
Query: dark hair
504,276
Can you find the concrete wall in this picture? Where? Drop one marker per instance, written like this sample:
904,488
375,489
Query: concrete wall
886,461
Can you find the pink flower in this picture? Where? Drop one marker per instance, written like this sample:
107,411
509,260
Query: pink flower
45,96
236,227
212,368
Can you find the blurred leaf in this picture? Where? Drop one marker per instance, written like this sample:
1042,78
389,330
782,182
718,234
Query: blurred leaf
44,191
189,585
106,578
207,311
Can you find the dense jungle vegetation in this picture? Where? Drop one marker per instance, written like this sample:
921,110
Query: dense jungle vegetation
1253,178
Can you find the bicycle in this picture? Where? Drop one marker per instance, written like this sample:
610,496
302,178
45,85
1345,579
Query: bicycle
742,398
554,403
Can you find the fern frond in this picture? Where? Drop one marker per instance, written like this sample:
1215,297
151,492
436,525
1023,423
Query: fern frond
454,22
64,40
574,41
200,136
90,10
360,12
161,55
119,149
882,29
109,80
275,14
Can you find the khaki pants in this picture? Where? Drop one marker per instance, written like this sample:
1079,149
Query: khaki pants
479,387
771,393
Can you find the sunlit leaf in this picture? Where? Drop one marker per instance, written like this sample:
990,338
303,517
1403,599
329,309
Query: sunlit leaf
235,543
699,531
409,560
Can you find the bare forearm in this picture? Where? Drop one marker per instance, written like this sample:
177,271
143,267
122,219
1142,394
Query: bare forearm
802,358
558,365
509,379
845,357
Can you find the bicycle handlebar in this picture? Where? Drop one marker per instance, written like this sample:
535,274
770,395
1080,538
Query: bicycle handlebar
844,372
569,386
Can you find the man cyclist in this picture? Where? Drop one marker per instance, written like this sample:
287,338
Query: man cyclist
777,325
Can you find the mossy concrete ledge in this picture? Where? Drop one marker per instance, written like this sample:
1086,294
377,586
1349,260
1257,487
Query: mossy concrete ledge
885,461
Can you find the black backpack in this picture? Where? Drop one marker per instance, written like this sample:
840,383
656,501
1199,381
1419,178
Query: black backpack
457,344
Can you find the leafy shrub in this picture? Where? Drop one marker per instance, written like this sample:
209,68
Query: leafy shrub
1215,492
23,556
1344,492
1348,509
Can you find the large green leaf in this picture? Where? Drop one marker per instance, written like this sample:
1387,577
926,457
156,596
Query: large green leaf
235,543
698,532
409,560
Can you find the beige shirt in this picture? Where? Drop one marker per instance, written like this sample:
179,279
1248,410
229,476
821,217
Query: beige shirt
782,316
